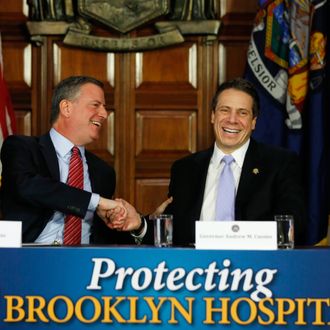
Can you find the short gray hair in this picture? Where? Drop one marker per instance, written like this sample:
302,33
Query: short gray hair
68,89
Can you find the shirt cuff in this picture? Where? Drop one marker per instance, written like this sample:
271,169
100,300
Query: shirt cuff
139,236
94,202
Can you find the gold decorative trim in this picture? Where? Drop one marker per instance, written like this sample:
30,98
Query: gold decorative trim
111,133
111,69
222,62
193,65
25,8
28,65
161,40
138,69
47,27
192,132
223,7
75,20
190,27
57,64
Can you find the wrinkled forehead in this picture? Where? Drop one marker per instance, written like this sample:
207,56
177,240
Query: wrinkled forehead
234,98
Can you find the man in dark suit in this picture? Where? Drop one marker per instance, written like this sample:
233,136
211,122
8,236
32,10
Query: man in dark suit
267,179
35,171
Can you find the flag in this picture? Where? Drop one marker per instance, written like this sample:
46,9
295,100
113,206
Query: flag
315,150
7,115
286,62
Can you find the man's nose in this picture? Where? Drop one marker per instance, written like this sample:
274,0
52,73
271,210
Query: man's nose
103,112
232,116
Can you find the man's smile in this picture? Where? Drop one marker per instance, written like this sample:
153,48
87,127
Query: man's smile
231,130
96,123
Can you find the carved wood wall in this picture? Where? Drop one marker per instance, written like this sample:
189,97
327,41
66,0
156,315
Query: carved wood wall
158,101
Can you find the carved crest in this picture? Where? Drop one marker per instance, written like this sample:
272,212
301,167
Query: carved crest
123,15
75,19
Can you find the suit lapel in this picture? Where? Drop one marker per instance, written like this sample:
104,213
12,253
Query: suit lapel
202,163
92,172
252,167
48,151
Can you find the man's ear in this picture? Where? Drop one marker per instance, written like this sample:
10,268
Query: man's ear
212,117
65,108
254,123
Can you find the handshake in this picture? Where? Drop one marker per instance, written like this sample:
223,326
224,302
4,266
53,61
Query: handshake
121,215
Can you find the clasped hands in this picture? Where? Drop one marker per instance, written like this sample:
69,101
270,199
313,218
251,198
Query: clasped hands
118,214
121,215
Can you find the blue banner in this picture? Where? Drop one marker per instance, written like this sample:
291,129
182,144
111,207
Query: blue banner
148,288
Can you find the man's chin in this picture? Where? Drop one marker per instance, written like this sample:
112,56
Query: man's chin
229,146
95,138
92,139
95,133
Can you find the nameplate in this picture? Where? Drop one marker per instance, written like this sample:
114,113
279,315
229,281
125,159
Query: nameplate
236,235
10,233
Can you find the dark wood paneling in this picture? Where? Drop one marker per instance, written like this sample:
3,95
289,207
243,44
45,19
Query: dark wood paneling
23,122
13,62
70,61
167,78
17,62
13,6
150,193
166,131
239,6
12,20
159,67
230,65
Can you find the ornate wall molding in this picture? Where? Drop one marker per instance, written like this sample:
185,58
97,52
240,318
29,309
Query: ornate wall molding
75,20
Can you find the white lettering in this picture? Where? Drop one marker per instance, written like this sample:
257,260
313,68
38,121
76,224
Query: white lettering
97,272
211,278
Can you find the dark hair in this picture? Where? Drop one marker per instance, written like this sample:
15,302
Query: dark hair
68,89
239,84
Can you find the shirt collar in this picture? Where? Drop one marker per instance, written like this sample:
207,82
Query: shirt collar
238,154
62,145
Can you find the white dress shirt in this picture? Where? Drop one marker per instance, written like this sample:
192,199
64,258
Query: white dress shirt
213,173
53,232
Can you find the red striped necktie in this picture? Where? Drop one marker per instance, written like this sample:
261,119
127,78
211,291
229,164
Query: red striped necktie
72,225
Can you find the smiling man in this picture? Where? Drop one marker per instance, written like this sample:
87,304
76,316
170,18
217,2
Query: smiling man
59,190
265,180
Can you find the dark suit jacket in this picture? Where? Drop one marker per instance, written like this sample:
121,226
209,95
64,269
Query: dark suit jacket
275,189
31,190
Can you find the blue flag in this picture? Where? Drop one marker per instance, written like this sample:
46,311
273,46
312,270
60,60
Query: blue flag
286,62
